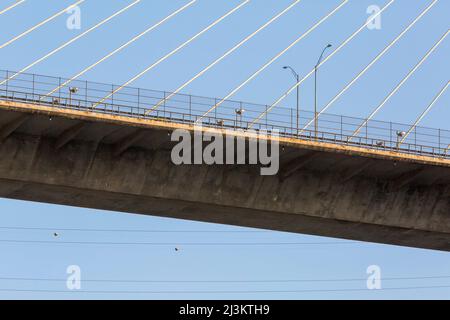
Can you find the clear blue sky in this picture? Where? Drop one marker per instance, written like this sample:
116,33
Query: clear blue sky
140,262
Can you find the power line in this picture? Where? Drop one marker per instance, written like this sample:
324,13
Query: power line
48,55
109,55
226,54
224,291
171,53
197,244
11,6
379,56
272,60
225,281
342,45
40,24
399,85
425,112
130,230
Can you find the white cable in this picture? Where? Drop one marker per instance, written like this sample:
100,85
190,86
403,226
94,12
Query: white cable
11,7
378,57
342,45
245,40
272,60
109,55
395,90
428,109
70,42
40,24
170,54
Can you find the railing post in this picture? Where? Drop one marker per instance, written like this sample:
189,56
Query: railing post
240,107
139,98
112,95
33,86
267,109
86,94
215,109
439,137
390,134
292,125
59,90
7,82
367,131
190,107
164,104
415,136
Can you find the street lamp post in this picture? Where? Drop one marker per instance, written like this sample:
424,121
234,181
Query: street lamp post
297,78
316,120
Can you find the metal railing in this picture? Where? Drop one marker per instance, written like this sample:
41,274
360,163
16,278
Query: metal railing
182,108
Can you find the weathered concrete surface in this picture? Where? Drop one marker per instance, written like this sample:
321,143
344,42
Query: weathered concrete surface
333,195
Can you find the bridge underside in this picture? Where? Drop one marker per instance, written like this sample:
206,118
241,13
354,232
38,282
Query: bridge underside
109,162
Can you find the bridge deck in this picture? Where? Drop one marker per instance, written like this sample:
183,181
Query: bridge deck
115,157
